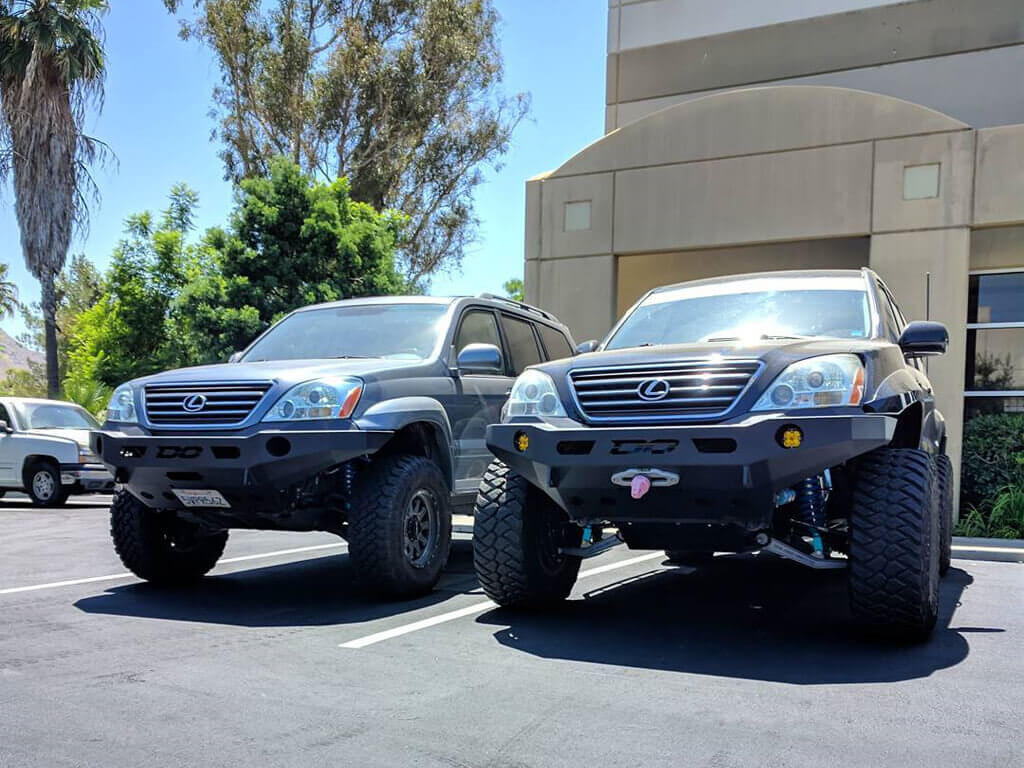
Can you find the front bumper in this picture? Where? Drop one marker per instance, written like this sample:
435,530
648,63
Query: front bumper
253,471
86,478
728,473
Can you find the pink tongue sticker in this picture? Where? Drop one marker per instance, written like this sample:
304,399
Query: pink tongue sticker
640,486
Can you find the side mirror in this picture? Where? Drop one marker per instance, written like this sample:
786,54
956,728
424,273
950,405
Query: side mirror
5,427
235,357
587,346
481,358
923,338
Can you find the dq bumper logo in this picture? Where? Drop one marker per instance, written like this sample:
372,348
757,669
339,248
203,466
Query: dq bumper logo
650,447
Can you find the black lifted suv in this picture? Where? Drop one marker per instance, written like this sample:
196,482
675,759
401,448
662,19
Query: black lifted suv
364,418
785,412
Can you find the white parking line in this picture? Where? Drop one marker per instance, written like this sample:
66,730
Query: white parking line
480,607
968,548
126,575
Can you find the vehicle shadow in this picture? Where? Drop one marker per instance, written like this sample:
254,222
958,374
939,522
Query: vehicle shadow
320,591
743,617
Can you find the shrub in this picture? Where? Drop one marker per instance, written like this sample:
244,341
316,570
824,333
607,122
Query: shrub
1005,519
993,458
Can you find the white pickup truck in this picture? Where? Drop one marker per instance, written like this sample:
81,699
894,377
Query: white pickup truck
44,451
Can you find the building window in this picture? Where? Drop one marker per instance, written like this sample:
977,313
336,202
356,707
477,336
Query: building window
995,344
921,182
577,216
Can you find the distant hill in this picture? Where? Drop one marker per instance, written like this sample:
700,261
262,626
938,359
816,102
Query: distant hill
15,355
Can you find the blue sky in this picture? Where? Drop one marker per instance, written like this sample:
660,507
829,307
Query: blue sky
156,121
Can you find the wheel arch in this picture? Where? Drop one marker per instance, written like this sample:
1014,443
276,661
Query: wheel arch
421,428
35,458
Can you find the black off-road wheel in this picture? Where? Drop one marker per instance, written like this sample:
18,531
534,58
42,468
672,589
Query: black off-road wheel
686,557
944,479
400,526
159,547
517,534
42,484
894,544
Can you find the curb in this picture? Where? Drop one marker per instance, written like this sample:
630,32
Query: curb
994,550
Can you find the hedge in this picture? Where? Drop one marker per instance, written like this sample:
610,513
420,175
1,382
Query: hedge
993,458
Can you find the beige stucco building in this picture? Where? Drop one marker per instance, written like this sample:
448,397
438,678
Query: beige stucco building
744,136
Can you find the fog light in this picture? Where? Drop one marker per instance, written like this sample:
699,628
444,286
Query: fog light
790,436
522,442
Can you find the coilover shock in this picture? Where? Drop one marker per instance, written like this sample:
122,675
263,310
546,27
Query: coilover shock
811,496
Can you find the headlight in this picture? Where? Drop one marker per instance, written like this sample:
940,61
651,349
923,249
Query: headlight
533,394
121,408
331,398
85,456
816,383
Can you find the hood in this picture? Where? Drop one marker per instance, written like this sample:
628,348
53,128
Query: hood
286,372
80,436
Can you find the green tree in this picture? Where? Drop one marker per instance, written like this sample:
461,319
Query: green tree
21,383
291,242
126,332
78,287
514,289
8,294
402,97
51,70
169,300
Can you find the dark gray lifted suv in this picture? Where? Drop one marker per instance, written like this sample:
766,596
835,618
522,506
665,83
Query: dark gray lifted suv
364,418
787,412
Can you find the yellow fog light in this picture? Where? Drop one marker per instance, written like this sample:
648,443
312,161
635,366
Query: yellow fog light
790,436
522,442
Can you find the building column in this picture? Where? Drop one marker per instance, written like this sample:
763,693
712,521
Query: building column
927,272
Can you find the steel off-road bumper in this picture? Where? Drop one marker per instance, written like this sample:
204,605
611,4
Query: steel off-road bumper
728,474
253,471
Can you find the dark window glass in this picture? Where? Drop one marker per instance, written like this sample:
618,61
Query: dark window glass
478,327
987,406
996,298
995,359
555,342
522,343
4,416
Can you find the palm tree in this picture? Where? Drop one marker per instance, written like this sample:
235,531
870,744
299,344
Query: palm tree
8,294
51,70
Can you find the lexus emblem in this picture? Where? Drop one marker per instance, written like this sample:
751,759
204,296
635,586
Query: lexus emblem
194,403
653,389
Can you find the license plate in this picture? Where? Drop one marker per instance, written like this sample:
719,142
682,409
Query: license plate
201,498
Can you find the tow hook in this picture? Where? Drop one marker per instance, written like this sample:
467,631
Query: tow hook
641,480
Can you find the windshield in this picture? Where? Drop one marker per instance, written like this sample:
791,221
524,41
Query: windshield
56,416
747,311
395,331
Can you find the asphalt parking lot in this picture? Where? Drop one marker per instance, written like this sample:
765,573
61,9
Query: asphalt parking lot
278,659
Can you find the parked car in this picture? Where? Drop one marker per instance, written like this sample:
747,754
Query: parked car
44,451
782,412
364,418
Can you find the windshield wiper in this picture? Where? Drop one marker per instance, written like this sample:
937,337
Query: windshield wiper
762,337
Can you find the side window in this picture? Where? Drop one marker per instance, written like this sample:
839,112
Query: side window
889,315
522,343
556,344
478,327
6,416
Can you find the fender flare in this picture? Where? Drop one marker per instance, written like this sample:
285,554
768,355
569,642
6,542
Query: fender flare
400,412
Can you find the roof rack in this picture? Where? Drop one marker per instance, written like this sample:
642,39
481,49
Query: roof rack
520,305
